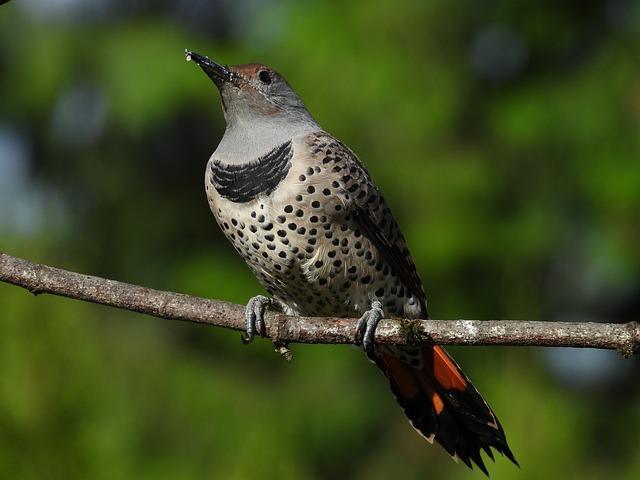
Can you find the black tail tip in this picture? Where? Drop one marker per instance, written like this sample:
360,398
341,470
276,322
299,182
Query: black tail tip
471,457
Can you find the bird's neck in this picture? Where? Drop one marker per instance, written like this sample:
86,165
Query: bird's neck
244,143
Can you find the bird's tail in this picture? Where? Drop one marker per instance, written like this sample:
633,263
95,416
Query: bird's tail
441,403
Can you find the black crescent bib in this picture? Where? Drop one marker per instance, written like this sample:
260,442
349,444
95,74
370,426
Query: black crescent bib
243,183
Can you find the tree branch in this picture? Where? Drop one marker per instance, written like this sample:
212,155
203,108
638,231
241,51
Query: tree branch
284,329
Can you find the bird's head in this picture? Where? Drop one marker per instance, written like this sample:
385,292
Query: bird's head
252,92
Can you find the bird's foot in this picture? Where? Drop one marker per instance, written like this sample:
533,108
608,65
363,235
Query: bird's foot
366,330
254,315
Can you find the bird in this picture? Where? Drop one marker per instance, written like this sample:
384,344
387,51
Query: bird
304,213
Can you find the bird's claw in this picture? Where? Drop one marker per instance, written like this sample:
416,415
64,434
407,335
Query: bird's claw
254,315
366,329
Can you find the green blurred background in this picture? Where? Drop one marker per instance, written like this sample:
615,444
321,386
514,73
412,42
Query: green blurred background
505,136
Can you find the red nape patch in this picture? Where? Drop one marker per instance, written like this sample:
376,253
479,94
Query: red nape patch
445,370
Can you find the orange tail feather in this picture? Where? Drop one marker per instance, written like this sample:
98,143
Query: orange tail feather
441,403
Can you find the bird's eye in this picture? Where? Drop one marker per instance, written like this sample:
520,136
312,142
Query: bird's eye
264,77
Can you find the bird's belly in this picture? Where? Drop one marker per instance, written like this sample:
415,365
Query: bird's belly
310,258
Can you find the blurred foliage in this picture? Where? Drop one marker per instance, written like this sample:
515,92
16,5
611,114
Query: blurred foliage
503,134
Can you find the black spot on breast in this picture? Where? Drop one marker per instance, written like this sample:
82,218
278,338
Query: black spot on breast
242,183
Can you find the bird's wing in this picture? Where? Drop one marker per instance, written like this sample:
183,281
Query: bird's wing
362,200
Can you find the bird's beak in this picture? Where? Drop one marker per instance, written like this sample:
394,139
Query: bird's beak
220,74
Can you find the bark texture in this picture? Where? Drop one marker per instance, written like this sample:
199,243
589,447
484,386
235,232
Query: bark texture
282,329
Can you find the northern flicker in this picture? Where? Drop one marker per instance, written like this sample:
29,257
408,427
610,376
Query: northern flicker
303,212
